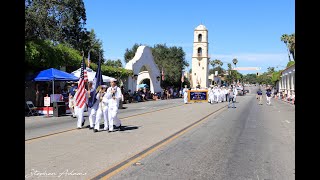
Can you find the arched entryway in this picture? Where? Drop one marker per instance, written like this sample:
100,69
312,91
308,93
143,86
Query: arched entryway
143,60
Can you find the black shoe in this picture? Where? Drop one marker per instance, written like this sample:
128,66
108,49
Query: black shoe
121,128
95,130
90,127
83,122
116,127
109,131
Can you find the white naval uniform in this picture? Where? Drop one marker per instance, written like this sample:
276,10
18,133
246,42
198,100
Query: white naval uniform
79,111
216,95
102,111
211,95
220,95
185,95
93,112
113,105
235,92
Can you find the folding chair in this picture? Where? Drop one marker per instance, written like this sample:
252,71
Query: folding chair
32,108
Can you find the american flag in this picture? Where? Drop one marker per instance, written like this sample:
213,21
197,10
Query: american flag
81,94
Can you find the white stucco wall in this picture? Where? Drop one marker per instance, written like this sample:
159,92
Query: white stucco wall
143,57
287,81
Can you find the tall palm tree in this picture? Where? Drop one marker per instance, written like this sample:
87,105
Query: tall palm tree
216,62
285,39
291,41
235,61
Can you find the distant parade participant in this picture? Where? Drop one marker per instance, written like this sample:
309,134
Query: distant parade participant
259,96
72,100
219,94
102,110
185,94
92,107
268,95
114,96
216,94
230,97
211,94
235,93
224,94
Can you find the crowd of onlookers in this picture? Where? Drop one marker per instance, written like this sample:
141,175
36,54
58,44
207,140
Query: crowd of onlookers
284,96
144,94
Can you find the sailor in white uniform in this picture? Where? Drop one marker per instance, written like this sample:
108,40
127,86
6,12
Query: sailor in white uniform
92,108
185,94
114,96
211,94
216,94
102,108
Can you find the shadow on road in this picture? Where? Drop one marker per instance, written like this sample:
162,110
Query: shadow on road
123,128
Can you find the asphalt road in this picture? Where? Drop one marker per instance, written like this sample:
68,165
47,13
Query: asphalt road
249,142
36,126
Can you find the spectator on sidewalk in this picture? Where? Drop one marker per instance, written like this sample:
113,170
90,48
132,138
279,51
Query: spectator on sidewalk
72,100
230,97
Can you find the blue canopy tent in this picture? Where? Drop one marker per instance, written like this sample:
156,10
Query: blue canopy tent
55,75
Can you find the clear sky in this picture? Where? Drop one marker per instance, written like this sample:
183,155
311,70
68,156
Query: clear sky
249,30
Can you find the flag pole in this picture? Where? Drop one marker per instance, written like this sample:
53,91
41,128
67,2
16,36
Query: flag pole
85,69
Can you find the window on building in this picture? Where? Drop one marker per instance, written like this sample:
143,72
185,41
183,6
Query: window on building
200,38
199,51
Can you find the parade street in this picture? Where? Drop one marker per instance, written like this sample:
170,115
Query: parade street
167,139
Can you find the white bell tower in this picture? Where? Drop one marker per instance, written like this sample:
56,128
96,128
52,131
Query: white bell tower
200,59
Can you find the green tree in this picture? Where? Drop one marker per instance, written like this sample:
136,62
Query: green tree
216,62
220,70
270,70
59,21
172,60
285,39
291,41
264,78
290,63
129,54
114,63
43,54
250,78
275,77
